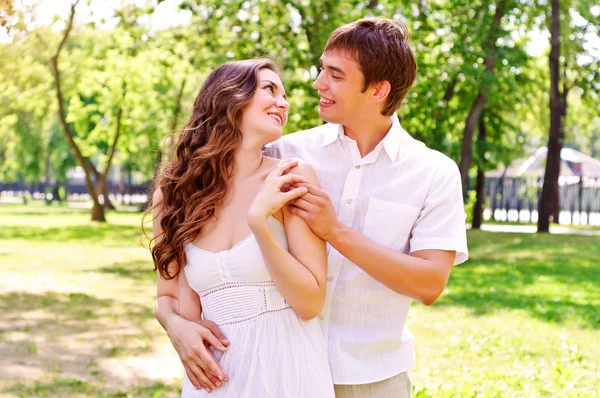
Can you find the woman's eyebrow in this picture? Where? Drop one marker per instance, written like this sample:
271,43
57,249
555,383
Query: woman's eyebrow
276,86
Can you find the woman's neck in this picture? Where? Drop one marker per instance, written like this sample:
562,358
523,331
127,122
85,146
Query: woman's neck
248,160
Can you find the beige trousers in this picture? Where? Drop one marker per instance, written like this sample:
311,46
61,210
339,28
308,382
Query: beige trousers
398,386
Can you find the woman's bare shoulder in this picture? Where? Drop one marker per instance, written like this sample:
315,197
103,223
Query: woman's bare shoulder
303,168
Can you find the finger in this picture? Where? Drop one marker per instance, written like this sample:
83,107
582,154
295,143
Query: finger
300,213
310,198
213,377
316,191
284,165
210,364
294,193
304,205
193,379
210,338
290,179
210,325
201,376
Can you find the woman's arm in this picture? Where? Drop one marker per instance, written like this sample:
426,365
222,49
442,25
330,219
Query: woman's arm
189,301
300,274
186,336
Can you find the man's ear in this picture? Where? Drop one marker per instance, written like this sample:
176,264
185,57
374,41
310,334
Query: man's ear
382,89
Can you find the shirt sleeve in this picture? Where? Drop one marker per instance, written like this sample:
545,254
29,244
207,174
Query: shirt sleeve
441,223
272,149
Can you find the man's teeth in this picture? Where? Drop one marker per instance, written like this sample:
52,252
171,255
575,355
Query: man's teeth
326,101
276,117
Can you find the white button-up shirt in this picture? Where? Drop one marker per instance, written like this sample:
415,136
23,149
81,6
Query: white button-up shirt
403,196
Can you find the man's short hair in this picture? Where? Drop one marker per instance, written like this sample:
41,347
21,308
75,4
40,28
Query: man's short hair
381,49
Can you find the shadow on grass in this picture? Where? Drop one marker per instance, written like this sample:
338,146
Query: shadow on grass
552,278
140,270
76,387
104,234
72,332
75,309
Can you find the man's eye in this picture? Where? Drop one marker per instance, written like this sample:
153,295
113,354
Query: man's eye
336,77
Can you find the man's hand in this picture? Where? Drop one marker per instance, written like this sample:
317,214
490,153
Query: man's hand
317,210
191,341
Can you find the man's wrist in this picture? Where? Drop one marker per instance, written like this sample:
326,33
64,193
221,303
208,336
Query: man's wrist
336,234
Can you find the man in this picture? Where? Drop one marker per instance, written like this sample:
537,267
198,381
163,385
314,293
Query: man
390,208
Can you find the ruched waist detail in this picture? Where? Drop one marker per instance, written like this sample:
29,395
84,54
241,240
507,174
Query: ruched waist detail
237,302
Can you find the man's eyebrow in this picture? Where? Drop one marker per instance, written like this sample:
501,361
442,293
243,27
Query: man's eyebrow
333,68
275,84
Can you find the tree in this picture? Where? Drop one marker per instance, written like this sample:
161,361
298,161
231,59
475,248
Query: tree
575,68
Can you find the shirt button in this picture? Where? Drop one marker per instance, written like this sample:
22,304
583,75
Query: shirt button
321,317
348,201
329,278
357,166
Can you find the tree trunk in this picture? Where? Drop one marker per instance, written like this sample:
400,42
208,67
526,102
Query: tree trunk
101,188
108,204
97,210
549,201
480,186
466,157
56,193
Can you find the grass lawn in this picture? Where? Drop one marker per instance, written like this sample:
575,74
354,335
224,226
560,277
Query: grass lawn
520,319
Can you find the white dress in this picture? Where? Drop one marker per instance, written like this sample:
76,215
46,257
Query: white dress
272,351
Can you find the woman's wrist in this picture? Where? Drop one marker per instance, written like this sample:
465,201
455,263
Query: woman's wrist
170,321
257,222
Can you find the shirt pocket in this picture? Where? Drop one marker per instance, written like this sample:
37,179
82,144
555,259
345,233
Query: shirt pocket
390,224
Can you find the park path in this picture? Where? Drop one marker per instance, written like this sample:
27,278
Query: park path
530,229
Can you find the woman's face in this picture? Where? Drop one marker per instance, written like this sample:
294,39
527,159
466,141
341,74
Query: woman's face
266,114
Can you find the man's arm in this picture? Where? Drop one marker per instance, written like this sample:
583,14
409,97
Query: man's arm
421,275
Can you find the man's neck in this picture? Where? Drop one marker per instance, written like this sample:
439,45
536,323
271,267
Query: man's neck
368,133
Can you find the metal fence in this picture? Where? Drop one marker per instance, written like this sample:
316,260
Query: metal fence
76,189
578,201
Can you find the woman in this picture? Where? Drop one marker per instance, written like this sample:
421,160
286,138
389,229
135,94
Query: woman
248,263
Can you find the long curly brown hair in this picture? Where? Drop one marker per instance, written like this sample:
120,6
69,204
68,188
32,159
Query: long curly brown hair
195,179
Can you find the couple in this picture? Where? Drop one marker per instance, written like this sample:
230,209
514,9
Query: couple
241,238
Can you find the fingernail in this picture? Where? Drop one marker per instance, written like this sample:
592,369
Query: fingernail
218,383
220,377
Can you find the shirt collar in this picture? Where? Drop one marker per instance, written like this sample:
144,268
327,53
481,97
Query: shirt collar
391,142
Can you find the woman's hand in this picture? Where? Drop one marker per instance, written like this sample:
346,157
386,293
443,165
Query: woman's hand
191,340
271,198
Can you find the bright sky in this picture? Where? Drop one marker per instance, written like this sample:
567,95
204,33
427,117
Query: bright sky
167,14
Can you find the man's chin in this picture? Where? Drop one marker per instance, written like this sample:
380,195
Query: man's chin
328,118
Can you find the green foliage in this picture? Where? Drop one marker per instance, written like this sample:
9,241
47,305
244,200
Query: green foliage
152,75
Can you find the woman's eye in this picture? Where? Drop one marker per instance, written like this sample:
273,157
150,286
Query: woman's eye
270,88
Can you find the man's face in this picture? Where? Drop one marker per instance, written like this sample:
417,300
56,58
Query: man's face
339,85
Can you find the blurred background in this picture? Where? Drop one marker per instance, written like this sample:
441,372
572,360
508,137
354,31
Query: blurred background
91,90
